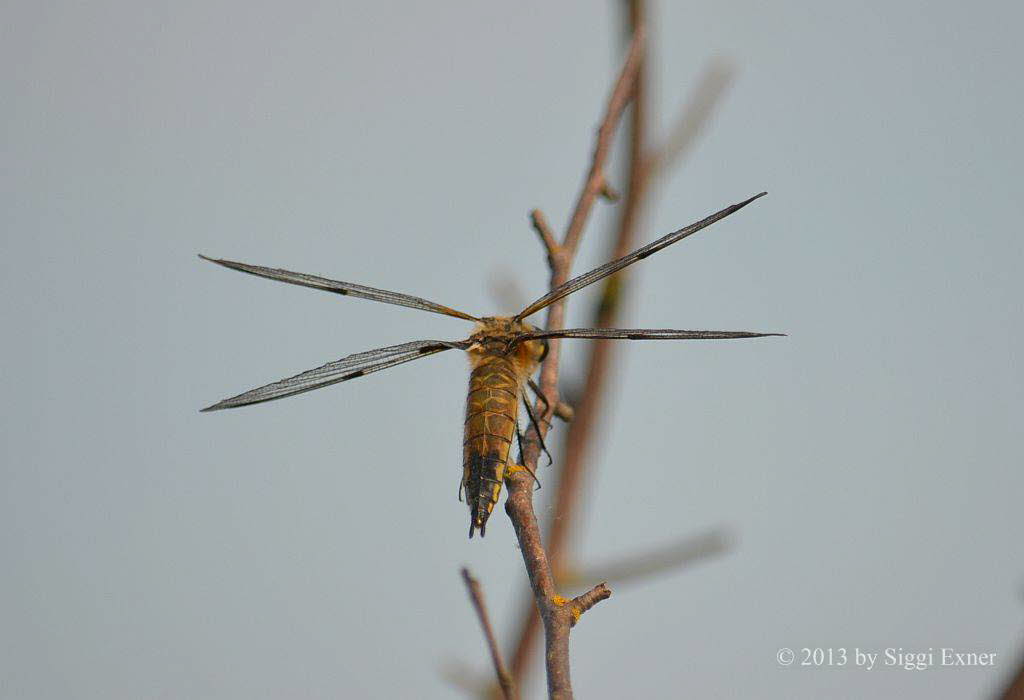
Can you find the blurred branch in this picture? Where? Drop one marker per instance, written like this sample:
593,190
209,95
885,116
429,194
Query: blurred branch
672,557
505,290
476,595
1015,690
695,115
558,618
462,677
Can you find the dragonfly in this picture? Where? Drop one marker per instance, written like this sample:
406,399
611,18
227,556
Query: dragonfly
504,352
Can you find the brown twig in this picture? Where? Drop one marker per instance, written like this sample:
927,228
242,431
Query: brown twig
556,615
547,237
582,603
565,411
582,424
476,595
644,164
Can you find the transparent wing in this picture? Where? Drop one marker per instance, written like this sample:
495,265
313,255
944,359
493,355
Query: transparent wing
641,334
578,283
351,367
343,288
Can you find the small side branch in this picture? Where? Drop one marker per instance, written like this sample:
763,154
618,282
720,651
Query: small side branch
476,595
609,193
547,237
582,603
565,411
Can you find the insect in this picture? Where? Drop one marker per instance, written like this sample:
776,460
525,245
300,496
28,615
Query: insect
504,352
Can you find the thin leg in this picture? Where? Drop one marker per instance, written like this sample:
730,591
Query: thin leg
562,410
536,427
540,395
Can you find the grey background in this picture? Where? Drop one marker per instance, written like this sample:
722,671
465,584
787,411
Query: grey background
869,465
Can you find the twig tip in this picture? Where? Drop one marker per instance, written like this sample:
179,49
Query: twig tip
584,602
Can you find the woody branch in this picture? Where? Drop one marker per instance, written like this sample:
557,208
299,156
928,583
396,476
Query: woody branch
558,614
476,595
645,164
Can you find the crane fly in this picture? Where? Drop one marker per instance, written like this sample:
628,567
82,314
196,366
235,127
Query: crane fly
504,352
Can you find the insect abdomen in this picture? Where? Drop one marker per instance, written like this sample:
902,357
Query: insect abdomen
491,411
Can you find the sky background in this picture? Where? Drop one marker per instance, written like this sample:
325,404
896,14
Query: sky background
868,467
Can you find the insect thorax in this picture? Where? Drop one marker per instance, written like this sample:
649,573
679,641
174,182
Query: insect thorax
497,337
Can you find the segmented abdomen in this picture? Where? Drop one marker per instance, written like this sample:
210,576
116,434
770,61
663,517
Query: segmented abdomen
491,411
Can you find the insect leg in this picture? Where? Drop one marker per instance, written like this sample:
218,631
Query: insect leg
540,395
519,439
562,410
536,427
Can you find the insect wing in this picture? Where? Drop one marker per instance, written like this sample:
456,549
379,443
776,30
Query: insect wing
641,334
350,367
588,278
343,288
